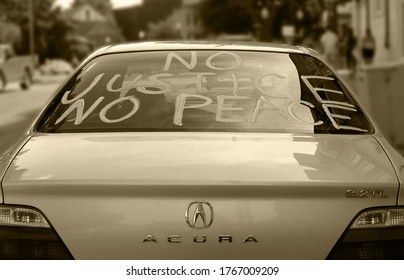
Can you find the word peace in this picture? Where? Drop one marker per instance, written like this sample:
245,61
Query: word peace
158,84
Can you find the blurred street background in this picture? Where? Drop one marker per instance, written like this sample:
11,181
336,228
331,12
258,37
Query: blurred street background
362,39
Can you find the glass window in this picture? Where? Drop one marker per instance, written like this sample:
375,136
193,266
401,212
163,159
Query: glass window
240,91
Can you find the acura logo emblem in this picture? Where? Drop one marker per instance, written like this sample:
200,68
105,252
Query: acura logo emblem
199,214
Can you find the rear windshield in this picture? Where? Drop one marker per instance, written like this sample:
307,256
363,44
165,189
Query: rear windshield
239,91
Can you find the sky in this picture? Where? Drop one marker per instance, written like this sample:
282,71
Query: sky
115,3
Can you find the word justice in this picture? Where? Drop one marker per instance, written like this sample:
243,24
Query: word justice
155,84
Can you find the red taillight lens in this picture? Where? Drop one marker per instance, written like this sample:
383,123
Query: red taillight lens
374,234
26,234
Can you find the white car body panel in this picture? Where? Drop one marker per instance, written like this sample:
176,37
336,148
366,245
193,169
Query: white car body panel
105,193
397,161
126,195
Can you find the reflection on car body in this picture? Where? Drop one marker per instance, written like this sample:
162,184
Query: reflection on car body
202,151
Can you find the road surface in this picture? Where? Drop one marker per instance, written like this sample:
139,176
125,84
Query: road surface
19,108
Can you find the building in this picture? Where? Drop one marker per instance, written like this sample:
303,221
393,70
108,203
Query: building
384,19
183,23
379,80
188,20
135,20
90,29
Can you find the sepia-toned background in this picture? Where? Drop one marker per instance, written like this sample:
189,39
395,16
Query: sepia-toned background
42,41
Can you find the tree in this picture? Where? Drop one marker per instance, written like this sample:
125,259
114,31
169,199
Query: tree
228,16
57,44
47,24
162,30
10,33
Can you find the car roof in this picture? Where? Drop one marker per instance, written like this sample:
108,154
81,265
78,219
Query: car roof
204,45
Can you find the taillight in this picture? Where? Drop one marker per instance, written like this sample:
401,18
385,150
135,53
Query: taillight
374,234
26,234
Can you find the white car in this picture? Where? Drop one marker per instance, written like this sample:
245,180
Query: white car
202,151
56,67
15,68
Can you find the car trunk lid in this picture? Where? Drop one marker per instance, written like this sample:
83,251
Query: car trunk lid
200,195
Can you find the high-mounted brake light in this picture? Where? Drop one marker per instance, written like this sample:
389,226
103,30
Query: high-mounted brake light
26,234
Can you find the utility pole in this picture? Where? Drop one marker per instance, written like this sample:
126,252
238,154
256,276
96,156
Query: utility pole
31,30
387,23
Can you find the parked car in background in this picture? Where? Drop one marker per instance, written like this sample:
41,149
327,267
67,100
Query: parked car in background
56,67
15,68
202,150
